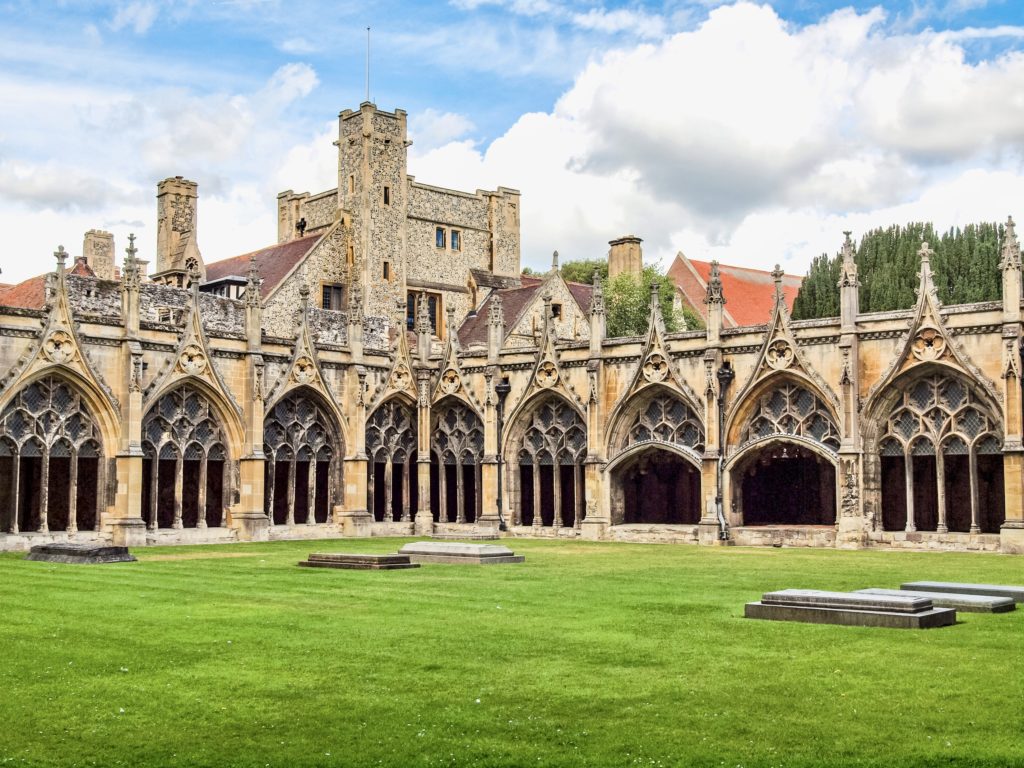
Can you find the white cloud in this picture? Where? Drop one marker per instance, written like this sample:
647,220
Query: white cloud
137,15
298,46
430,129
621,20
753,141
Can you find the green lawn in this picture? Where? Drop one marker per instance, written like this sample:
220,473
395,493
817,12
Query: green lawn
586,654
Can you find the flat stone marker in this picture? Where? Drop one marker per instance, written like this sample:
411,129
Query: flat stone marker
969,603
851,609
79,554
465,537
473,554
1016,593
358,562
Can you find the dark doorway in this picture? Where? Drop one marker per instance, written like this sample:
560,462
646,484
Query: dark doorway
660,488
788,489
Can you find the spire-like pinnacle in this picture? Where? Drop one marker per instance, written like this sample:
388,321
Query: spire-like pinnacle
554,261
925,252
304,294
1011,247
131,250
423,315
252,285
777,275
61,255
495,314
597,296
130,268
848,274
714,293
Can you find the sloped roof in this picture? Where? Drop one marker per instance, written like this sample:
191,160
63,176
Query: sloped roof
274,263
514,302
749,293
31,293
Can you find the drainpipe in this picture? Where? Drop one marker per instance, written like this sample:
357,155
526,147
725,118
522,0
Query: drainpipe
725,376
502,389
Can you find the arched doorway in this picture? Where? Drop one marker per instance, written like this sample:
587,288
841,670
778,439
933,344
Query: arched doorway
549,474
391,447
657,480
785,473
787,484
457,447
50,454
299,475
941,460
185,481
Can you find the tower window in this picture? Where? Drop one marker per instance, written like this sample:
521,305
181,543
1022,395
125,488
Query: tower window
387,270
556,311
456,240
351,254
387,195
333,296
439,237
351,183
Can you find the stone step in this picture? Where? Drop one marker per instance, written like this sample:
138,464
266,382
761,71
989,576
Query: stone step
473,554
817,598
1014,592
358,561
962,602
79,554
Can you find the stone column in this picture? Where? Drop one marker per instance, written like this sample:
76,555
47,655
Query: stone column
424,523
597,512
851,527
1011,535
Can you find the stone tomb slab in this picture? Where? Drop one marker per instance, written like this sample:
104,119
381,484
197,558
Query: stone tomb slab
79,554
450,552
851,609
962,602
1014,592
358,562
465,537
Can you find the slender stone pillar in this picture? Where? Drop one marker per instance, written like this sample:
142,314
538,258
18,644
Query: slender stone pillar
537,517
908,470
290,520
271,476
179,488
406,492
556,487
311,494
973,471
15,491
154,493
73,493
201,501
940,487
44,492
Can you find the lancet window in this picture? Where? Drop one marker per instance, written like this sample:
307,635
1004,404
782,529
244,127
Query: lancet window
792,410
942,445
185,481
298,474
391,441
457,443
50,450
551,455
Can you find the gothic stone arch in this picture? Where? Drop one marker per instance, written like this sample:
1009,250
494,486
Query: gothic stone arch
391,440
457,449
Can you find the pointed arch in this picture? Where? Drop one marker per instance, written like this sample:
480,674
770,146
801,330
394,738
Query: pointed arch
225,410
335,418
53,445
457,451
391,439
656,414
816,418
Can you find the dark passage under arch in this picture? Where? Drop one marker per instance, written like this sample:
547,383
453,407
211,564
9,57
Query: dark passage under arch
788,486
658,487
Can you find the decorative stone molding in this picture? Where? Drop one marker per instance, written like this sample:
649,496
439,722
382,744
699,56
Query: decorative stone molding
450,382
192,360
655,368
779,354
304,370
59,347
547,374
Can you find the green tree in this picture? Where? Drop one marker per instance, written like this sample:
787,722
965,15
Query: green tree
582,271
628,303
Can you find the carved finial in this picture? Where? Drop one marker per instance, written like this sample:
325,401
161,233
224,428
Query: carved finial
495,314
423,325
130,268
355,302
714,293
131,250
848,274
777,275
654,295
61,255
1011,248
597,296
554,261
194,275
925,252
252,285
449,313
304,293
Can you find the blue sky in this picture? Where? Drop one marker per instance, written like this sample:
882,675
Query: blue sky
749,132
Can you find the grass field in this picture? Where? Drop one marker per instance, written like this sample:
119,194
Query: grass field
586,654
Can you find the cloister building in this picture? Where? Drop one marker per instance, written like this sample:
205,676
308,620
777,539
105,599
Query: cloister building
384,369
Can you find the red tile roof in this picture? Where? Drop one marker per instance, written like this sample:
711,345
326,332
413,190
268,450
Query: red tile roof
274,263
748,292
513,302
31,293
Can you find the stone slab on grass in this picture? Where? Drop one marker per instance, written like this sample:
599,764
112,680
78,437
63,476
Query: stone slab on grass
962,602
358,562
1015,592
465,537
79,554
817,606
450,552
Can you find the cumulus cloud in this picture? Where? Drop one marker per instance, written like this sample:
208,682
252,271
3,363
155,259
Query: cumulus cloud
139,16
430,128
748,124
621,20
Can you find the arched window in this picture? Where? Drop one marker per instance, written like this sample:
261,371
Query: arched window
300,451
551,454
669,420
457,442
185,467
49,460
792,410
391,440
941,460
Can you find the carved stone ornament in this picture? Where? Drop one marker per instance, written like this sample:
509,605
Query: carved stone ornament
851,489
450,382
401,378
779,355
59,347
304,371
135,374
192,360
656,367
547,374
928,344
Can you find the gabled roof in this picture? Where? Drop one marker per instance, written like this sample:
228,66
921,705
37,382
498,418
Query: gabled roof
749,293
514,302
274,263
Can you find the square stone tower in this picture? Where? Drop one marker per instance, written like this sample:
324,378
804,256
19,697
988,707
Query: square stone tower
177,252
373,200
98,249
